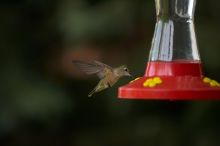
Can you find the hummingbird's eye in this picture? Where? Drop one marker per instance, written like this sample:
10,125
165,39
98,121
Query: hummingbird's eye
125,69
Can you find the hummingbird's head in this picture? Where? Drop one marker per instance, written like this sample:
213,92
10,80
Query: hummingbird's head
122,71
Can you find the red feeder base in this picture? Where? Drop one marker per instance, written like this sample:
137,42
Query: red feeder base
174,81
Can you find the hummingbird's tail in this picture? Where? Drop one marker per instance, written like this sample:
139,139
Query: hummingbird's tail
101,86
92,92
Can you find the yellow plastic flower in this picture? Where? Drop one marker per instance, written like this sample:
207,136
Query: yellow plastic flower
206,80
135,79
157,80
152,82
212,83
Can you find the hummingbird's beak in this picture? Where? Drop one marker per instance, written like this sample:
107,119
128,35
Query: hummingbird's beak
129,75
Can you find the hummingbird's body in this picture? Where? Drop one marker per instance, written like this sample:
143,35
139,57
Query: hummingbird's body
108,75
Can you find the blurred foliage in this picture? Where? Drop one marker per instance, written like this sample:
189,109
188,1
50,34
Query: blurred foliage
44,100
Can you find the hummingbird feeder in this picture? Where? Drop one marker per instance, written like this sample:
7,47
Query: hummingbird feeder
174,69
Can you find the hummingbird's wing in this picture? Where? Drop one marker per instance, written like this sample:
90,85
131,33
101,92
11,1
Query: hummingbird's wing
93,67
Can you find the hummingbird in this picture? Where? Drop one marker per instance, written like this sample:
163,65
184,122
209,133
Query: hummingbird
108,75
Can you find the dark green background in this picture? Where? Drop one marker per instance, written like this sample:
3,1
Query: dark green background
44,98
